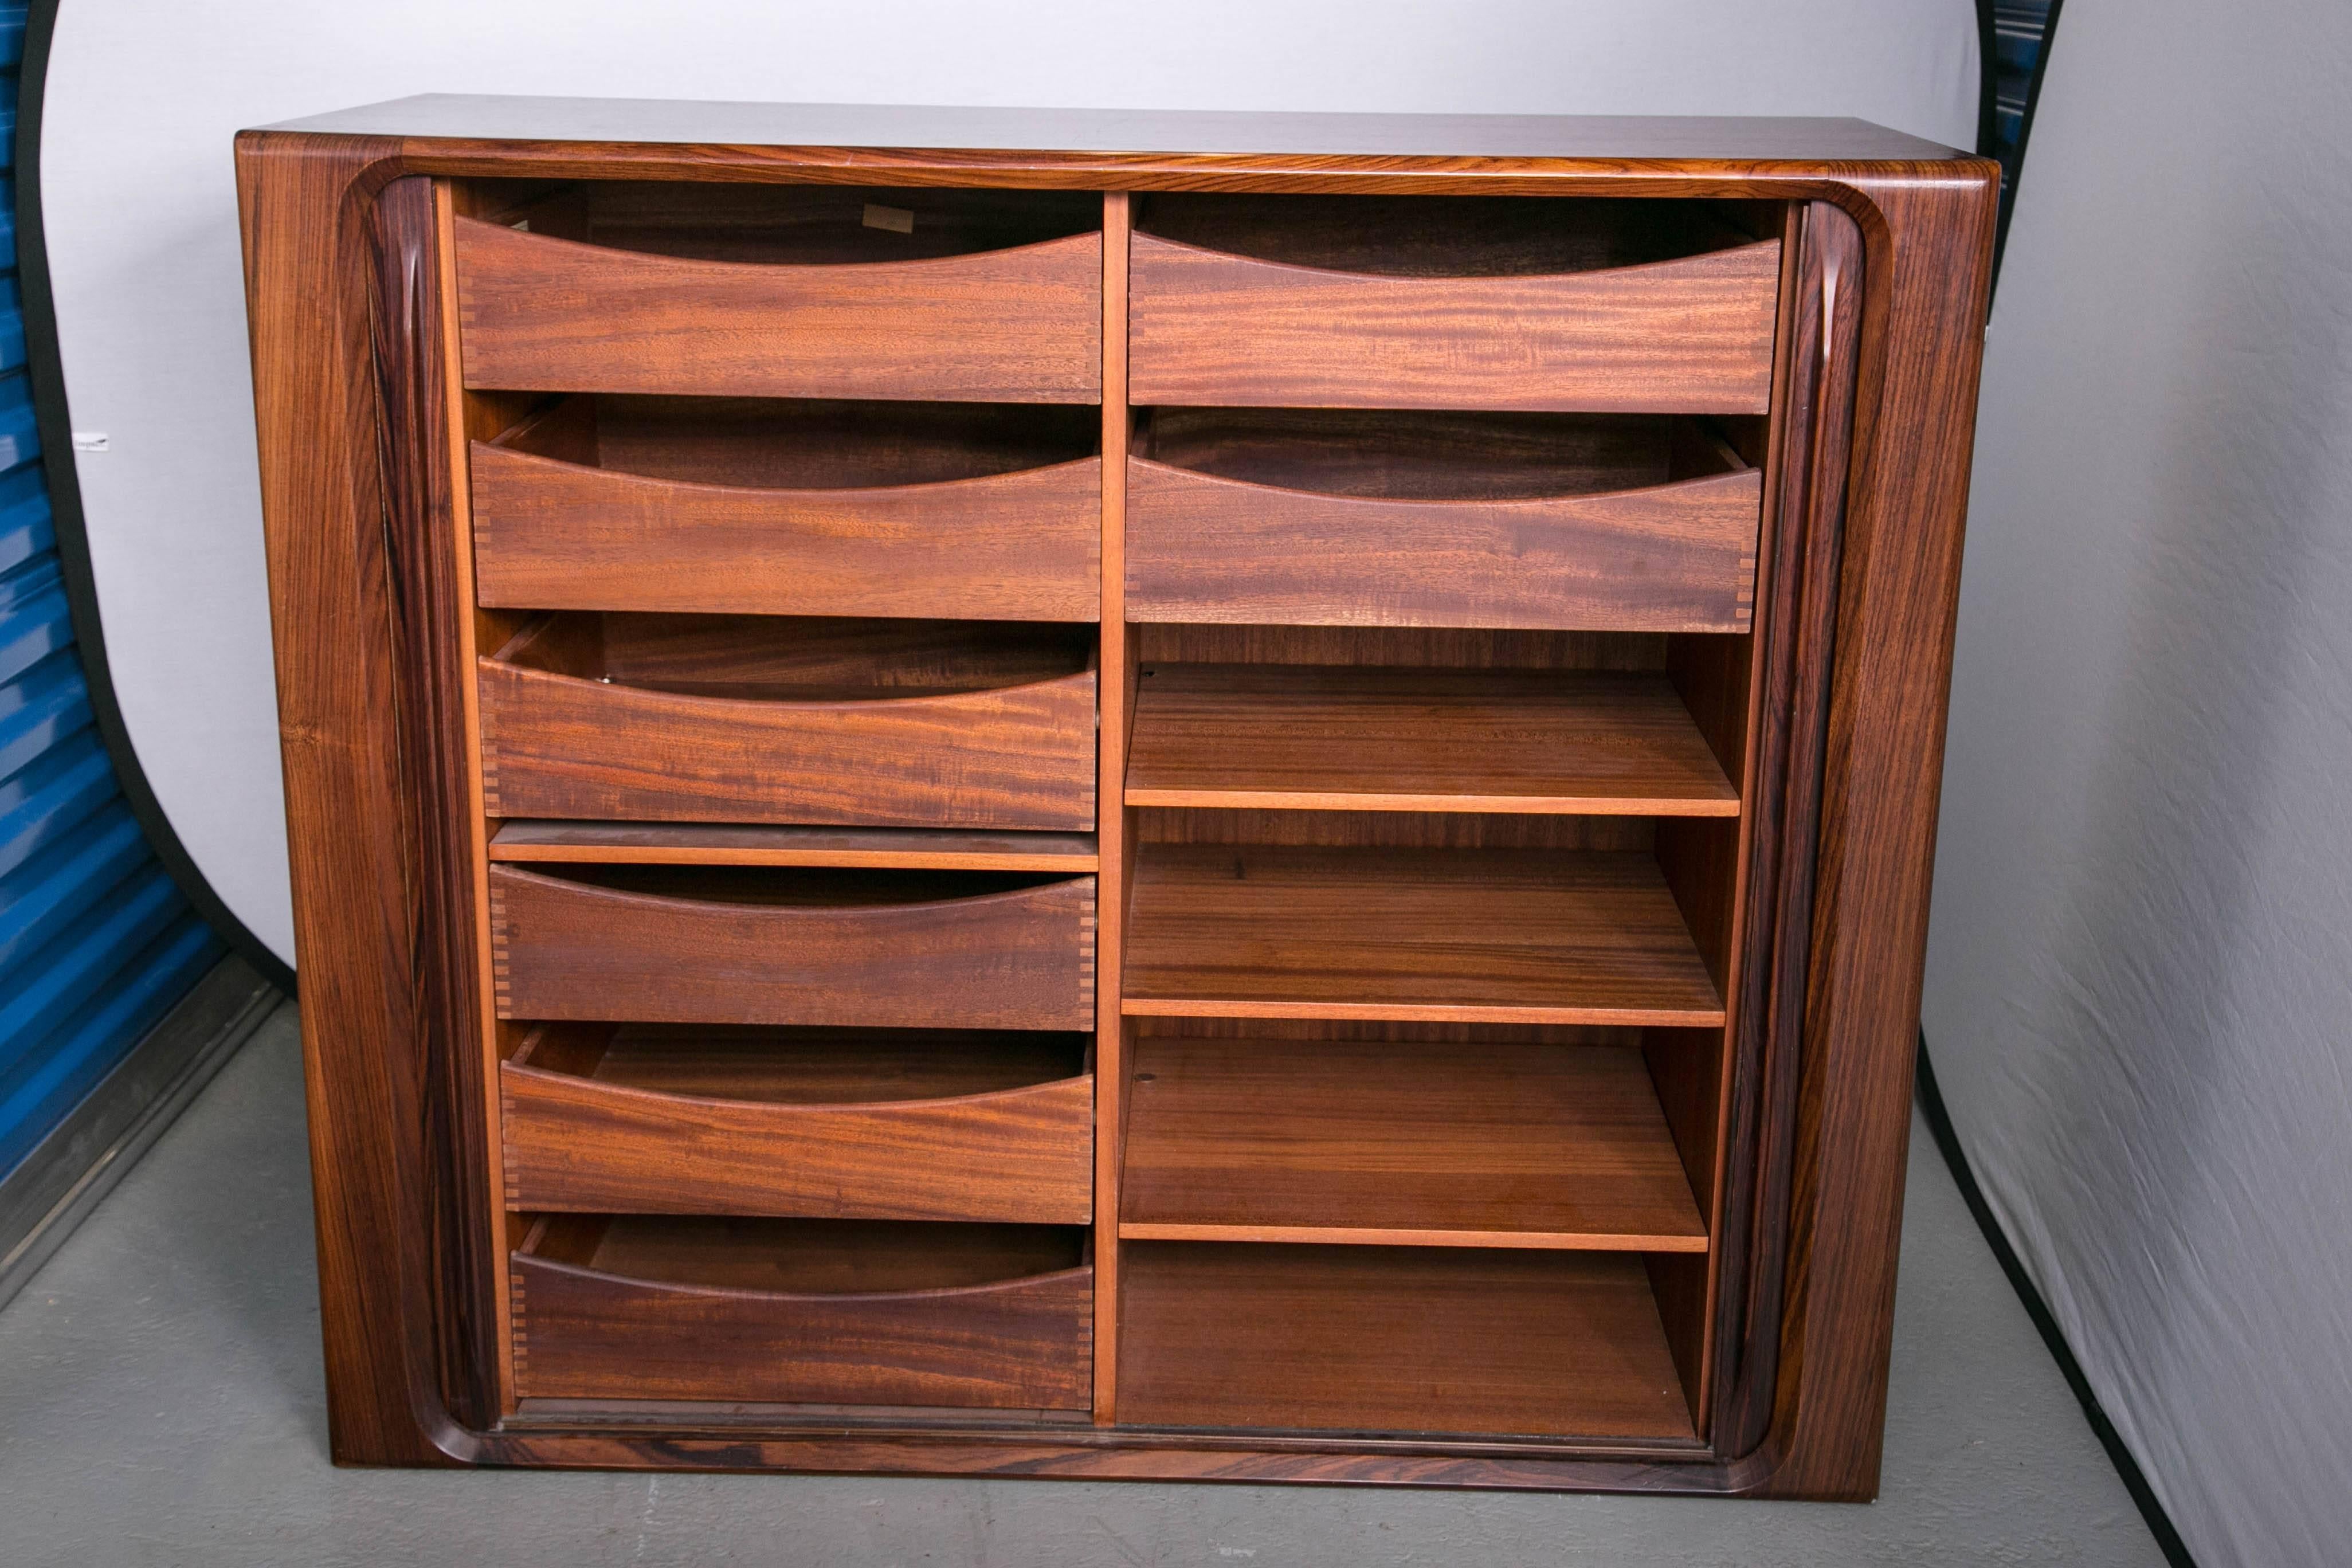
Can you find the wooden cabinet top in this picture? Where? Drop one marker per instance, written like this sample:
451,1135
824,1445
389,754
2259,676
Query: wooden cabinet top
1073,139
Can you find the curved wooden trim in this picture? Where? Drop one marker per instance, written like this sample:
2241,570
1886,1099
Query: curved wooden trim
1017,546
1679,556
736,711
472,233
1701,487
1438,280
541,314
1008,898
1692,335
1016,756
1016,1284
1020,1155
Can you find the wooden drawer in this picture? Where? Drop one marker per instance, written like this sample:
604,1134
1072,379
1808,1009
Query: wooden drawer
717,945
872,1124
1422,309
769,1311
1434,520
764,719
538,313
972,511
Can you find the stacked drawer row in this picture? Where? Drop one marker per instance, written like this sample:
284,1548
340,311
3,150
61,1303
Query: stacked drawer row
791,548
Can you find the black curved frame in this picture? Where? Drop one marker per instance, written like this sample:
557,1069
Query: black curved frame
45,368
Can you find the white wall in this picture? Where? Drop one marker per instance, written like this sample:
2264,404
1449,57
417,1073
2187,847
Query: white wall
143,96
2139,984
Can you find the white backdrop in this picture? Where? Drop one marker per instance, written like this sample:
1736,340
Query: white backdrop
143,96
2140,981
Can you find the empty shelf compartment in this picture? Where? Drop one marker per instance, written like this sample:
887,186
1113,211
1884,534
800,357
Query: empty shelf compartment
1337,738
1486,1144
1447,935
1396,1340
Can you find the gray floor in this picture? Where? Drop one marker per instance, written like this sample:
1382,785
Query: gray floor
161,1403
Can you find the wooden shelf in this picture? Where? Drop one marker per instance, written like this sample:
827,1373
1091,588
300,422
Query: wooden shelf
663,843
1327,738
1395,1339
1444,935
1402,1143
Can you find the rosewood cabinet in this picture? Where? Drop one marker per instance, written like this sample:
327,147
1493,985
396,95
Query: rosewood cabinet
1079,794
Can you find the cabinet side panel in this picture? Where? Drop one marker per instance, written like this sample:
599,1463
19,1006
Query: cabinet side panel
308,260
431,614
1926,264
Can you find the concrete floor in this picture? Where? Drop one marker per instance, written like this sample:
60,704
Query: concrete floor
161,1403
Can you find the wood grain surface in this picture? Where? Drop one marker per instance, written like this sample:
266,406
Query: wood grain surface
343,511
1333,738
1242,1139
543,314
903,950
1687,336
586,1333
1673,557
1118,663
556,535
869,1124
1395,1339
1493,936
713,734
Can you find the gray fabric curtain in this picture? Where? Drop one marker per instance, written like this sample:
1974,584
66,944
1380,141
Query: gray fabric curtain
2139,989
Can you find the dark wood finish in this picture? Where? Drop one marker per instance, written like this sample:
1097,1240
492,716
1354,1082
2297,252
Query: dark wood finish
542,314
817,225
1436,521
687,504
350,525
1763,1121
998,146
697,945
1691,336
449,1104
1488,936
682,1310
911,848
1402,1144
1329,738
750,719
1370,1339
857,1126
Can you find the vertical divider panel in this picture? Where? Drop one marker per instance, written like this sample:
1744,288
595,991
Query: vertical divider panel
1112,841
469,417
1750,778
1813,429
461,534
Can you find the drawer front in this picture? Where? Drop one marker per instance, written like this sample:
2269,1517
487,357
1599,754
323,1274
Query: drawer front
1017,960
1674,557
1007,757
552,535
541,314
1020,1344
1020,1156
1687,336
